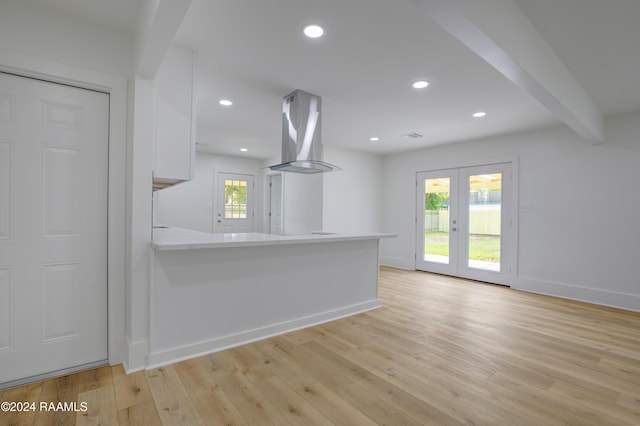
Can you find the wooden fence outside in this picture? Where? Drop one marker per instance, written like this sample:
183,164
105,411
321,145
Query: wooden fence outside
483,220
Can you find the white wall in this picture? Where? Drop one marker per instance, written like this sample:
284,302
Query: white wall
191,205
46,34
353,196
581,239
138,213
302,203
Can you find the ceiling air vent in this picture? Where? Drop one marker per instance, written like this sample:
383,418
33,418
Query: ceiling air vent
414,135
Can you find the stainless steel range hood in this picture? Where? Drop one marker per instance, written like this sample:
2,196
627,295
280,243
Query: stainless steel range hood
301,145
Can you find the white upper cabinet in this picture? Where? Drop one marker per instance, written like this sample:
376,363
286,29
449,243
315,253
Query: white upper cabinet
175,119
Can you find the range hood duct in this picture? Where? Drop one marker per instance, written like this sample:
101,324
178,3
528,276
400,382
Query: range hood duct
301,145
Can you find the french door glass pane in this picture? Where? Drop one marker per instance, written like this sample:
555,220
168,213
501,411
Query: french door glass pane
436,220
485,210
235,199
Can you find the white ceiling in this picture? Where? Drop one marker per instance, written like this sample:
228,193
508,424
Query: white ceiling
599,42
253,53
118,14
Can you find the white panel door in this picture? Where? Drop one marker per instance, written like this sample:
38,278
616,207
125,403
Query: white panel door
53,227
235,203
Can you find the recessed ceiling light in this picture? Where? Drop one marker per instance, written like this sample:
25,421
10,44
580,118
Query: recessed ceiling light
374,139
479,114
420,84
225,102
244,149
313,31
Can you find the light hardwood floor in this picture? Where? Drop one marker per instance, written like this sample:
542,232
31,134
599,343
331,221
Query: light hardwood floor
440,351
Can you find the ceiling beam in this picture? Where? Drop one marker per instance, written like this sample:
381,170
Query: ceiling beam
500,33
158,23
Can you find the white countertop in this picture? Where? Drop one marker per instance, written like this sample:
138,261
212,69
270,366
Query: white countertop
185,239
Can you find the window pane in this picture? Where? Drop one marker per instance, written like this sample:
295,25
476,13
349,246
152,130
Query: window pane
436,220
485,211
235,199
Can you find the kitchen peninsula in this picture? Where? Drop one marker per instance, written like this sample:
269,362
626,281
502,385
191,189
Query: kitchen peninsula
214,291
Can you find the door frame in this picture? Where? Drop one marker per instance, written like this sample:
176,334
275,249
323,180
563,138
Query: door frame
511,242
269,201
116,88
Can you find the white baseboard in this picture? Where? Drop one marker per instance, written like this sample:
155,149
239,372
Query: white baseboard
396,262
159,359
630,302
137,353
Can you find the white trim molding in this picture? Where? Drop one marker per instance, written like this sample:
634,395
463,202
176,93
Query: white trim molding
181,353
396,262
630,302
137,356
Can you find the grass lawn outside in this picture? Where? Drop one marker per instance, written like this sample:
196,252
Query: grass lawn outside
481,247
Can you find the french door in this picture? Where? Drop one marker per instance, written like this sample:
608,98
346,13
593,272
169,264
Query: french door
464,222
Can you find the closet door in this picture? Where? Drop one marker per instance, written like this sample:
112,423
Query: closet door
53,227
